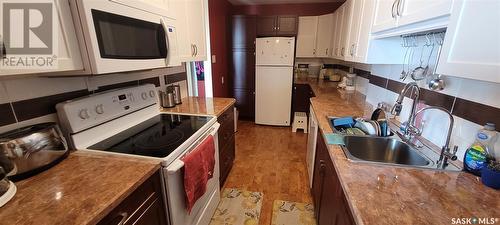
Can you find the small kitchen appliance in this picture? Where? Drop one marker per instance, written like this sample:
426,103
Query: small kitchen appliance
132,125
29,150
167,99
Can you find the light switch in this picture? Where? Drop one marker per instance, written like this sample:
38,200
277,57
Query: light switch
214,59
222,79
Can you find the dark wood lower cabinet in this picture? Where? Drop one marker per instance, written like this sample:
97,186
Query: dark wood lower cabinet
330,204
227,143
300,98
144,206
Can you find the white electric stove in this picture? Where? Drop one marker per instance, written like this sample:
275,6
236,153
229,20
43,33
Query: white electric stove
128,122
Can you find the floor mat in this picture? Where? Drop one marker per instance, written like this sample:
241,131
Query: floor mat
292,213
238,207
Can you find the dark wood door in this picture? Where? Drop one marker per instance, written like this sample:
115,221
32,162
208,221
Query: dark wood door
244,69
245,102
287,25
266,26
244,30
301,95
318,176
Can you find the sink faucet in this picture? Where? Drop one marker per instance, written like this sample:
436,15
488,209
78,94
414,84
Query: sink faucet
398,106
409,129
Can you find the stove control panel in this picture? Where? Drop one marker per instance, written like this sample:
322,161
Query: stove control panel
83,113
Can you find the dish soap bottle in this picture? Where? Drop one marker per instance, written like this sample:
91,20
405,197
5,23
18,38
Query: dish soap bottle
476,156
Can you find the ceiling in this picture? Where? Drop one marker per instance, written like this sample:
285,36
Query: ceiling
266,2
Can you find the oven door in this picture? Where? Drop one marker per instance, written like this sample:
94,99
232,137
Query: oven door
121,38
204,208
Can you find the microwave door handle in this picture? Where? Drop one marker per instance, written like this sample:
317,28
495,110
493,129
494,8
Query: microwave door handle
164,25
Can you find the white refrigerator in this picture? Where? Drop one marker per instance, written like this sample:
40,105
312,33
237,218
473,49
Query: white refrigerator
273,80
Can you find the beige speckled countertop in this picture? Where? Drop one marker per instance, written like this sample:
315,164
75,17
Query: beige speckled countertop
81,189
204,106
381,194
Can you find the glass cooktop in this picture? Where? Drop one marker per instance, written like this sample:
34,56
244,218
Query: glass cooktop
156,137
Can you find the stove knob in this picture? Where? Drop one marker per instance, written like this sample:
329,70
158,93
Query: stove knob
151,93
144,96
84,114
99,109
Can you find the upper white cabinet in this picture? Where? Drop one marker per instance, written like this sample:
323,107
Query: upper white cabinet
324,36
190,19
69,58
410,16
306,37
160,7
385,15
471,48
346,13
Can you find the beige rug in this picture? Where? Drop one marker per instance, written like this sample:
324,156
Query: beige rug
238,207
292,213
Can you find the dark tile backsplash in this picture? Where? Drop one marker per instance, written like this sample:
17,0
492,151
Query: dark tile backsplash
41,106
379,81
6,114
36,107
476,112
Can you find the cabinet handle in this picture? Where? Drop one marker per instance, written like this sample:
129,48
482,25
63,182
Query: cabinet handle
342,52
124,217
322,167
336,51
195,50
398,8
4,50
326,51
392,9
192,50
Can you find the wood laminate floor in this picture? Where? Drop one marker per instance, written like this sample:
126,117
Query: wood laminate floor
270,160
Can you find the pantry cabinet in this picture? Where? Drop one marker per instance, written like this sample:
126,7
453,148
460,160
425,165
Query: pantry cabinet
190,21
410,16
68,57
324,35
471,48
306,37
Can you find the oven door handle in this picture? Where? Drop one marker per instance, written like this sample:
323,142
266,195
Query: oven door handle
165,27
178,164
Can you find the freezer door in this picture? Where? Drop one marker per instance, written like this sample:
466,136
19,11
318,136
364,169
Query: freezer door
273,95
275,51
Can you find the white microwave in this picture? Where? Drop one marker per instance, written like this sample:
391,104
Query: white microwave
117,37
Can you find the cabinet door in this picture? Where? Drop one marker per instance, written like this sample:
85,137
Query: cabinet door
359,49
324,37
340,28
69,57
385,15
471,48
306,38
244,31
191,29
337,20
243,69
287,25
301,95
245,102
266,26
413,11
195,13
356,16
346,28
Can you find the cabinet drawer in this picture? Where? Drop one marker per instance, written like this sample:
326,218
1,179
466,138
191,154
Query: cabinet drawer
145,200
226,159
226,116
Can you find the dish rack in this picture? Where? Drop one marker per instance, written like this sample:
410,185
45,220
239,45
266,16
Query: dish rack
344,130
